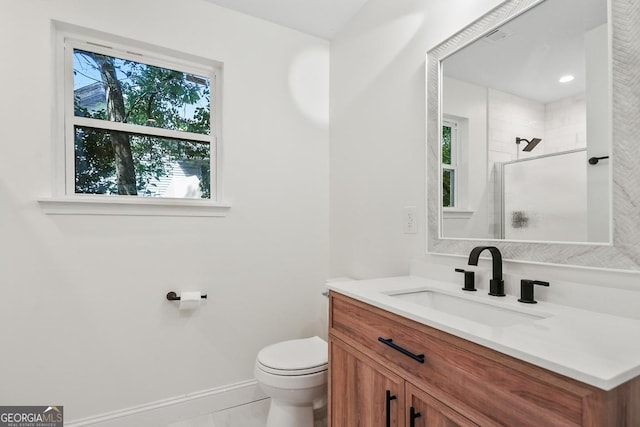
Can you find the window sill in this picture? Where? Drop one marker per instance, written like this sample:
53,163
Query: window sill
131,206
455,213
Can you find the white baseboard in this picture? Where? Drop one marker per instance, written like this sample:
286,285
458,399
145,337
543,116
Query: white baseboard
166,411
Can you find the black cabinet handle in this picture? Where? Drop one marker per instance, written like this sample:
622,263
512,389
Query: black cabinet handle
390,343
412,416
389,399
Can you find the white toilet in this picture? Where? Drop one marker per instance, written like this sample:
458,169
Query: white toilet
294,374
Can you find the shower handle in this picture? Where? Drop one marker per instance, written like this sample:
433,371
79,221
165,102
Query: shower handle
595,160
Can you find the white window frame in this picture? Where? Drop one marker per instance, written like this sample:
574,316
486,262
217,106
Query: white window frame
454,160
460,164
64,199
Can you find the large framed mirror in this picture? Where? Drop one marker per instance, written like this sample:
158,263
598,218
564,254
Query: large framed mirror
532,115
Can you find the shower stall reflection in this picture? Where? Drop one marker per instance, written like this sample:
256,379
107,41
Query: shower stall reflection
544,198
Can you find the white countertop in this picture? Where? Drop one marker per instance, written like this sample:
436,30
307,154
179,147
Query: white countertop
598,349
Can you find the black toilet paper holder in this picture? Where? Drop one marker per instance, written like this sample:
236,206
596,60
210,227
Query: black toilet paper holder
172,296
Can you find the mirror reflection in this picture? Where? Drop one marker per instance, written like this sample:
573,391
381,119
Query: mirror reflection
526,128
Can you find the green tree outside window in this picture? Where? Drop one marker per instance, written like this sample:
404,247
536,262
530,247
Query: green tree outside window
119,90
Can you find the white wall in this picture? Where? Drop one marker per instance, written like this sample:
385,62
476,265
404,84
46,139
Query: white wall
83,316
378,140
598,132
378,129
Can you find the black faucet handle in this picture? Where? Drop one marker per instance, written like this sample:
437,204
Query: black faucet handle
526,290
469,279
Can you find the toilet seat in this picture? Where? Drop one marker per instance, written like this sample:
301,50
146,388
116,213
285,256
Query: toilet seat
292,372
294,357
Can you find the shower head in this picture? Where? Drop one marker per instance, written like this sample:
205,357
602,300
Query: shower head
530,144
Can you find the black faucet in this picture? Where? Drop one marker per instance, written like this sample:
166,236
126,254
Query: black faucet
496,284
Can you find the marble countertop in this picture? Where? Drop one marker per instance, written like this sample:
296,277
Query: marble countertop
595,348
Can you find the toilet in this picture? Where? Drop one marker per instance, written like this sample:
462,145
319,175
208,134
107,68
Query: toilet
294,375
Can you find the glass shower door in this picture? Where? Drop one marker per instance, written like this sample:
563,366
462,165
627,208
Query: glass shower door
545,198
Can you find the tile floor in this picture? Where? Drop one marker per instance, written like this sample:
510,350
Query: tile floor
250,415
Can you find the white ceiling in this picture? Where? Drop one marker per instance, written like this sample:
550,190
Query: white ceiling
542,45
545,42
321,18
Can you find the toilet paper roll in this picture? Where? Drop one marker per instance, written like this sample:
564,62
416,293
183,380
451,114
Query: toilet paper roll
190,300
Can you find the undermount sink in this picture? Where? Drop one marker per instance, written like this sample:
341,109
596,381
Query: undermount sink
478,311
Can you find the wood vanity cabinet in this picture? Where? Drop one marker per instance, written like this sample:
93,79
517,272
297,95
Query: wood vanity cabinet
364,393
376,382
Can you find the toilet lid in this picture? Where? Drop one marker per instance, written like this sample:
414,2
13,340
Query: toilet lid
295,355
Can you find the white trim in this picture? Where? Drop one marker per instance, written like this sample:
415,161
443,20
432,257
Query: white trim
131,206
166,411
453,213
140,130
143,56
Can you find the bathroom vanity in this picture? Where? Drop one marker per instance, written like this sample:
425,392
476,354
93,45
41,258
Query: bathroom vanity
394,360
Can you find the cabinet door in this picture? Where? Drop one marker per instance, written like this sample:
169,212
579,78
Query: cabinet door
424,410
361,392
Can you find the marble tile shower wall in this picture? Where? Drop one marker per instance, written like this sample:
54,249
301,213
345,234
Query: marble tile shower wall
510,116
561,125
565,124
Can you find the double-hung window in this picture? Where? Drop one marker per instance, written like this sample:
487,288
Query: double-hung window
140,126
449,163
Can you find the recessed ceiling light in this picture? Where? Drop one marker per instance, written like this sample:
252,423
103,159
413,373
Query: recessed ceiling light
566,79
